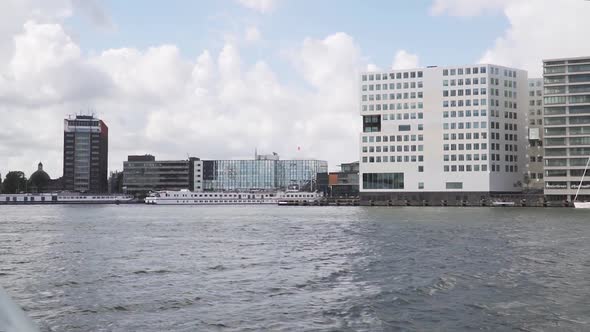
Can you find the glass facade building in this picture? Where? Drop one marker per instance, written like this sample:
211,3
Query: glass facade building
230,175
142,174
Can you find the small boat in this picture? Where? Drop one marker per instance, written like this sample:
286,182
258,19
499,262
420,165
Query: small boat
12,317
500,203
582,205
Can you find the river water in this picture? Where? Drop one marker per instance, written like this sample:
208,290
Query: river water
155,268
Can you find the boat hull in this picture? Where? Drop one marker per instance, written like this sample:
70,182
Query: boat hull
185,197
63,198
582,205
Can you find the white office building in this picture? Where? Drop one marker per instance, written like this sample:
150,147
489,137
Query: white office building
457,129
567,127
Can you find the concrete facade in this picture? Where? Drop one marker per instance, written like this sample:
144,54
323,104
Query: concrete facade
443,130
534,118
567,127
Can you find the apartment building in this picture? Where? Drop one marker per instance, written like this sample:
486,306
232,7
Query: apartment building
566,101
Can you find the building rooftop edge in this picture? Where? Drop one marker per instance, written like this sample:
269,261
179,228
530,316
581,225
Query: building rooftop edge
568,58
441,67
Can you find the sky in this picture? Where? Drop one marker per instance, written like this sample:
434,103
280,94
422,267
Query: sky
219,79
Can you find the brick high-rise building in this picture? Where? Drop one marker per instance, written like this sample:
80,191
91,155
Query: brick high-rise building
86,141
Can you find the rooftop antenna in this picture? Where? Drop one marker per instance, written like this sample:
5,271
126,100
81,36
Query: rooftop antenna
255,153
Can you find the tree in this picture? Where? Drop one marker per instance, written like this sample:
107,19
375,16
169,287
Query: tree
14,182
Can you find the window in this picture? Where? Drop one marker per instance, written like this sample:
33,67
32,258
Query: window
454,185
383,181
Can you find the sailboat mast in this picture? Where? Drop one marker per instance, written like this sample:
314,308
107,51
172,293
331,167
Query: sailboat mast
583,174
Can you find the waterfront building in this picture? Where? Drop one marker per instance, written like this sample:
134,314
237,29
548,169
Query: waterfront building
533,179
567,126
85,160
265,172
344,183
39,180
115,182
442,132
142,174
262,173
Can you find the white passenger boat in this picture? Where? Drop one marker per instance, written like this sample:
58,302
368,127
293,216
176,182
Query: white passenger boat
63,198
186,197
582,205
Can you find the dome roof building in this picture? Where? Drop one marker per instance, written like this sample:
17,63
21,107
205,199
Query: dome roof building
39,180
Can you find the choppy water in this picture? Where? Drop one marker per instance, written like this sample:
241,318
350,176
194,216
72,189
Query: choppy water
147,268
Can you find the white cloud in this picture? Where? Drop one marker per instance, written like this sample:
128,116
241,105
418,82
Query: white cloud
156,101
372,67
325,61
16,12
468,7
263,6
252,34
40,47
404,60
540,29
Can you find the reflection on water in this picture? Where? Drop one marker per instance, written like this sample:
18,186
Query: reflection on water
145,268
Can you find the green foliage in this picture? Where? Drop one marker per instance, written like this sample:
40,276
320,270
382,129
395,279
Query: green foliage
14,183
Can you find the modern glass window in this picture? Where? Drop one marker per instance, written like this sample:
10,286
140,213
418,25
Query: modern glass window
454,185
559,131
579,99
579,151
555,121
579,130
579,109
578,68
553,90
383,180
555,162
579,78
575,120
554,110
553,153
580,141
577,162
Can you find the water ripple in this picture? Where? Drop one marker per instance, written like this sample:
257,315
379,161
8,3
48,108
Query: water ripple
138,268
